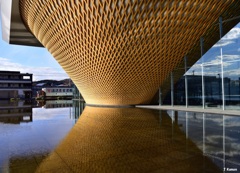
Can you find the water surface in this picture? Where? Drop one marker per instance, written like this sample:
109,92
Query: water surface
119,140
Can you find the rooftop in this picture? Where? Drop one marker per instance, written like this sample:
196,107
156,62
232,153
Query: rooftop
13,28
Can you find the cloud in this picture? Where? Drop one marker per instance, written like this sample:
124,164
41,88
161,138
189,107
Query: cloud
232,34
229,57
47,114
213,67
39,73
229,38
217,139
233,73
223,43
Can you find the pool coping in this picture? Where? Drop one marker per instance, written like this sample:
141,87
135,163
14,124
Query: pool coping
191,109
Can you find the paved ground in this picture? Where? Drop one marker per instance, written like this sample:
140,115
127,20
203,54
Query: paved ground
192,109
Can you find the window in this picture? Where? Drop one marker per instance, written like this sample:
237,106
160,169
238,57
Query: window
26,77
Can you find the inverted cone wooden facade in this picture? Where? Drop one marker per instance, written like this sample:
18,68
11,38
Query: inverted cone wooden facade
120,52
126,140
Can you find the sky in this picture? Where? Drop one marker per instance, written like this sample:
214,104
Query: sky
42,65
27,59
230,46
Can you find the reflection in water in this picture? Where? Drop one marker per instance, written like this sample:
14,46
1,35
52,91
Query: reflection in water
77,106
218,136
55,103
118,140
15,112
126,140
23,145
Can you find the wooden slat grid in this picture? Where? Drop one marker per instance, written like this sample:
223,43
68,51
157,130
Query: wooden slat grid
120,52
126,140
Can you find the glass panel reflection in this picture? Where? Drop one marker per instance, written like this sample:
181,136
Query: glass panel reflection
15,112
194,80
130,140
213,86
232,84
219,67
217,136
120,140
30,131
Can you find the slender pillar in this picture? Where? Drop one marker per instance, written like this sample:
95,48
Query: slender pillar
80,108
160,97
173,112
224,157
203,83
172,90
160,117
223,90
186,82
176,117
204,133
220,27
187,133
70,113
229,90
186,125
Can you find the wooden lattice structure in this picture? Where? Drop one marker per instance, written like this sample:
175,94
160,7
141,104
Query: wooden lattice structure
120,52
126,140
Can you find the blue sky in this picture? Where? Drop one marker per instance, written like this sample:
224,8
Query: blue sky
230,45
27,59
42,65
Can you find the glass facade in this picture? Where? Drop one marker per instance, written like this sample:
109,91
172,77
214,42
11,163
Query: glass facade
213,134
214,80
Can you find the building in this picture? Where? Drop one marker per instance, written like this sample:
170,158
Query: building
121,52
55,104
55,93
15,112
16,85
213,91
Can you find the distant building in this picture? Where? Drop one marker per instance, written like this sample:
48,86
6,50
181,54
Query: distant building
15,112
55,93
14,84
57,104
212,91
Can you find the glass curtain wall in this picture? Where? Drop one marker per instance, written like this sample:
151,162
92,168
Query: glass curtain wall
179,85
214,80
230,44
212,75
194,82
216,135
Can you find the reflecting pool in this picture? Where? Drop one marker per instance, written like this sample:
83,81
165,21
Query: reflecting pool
69,137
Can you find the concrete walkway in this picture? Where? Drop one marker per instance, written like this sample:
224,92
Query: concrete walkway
192,109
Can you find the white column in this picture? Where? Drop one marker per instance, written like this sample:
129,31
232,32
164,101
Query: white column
223,90
172,90
224,157
203,88
186,81
160,97
204,133
186,125
203,83
173,112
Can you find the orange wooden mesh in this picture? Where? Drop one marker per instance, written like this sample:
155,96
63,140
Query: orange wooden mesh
120,52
